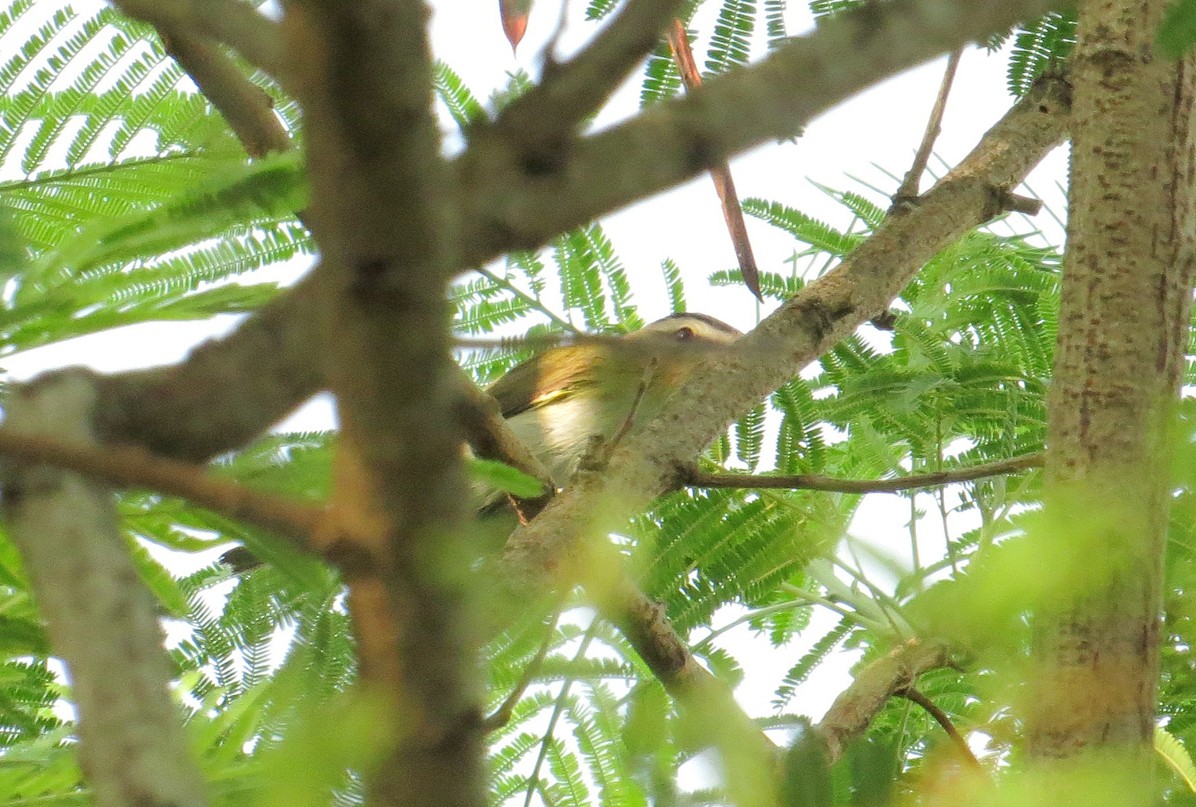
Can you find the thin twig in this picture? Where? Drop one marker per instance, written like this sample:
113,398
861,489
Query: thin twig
257,38
557,710
674,141
502,715
131,467
490,437
914,694
100,616
692,477
908,190
853,711
720,172
246,107
228,391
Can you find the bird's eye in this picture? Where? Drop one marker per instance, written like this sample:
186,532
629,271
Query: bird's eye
684,334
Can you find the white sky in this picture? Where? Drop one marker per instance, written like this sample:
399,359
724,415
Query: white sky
874,132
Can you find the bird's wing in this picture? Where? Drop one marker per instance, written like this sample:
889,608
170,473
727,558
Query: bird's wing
537,381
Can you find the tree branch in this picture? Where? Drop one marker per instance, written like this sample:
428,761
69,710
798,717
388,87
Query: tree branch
855,709
187,29
1118,370
908,190
257,38
134,467
648,629
515,205
246,107
539,125
227,391
100,617
383,213
824,312
915,695
691,476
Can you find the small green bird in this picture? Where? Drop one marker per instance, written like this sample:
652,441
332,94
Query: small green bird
559,401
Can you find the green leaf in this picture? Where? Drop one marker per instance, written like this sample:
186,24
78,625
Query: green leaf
661,77
730,44
806,775
1039,46
266,189
674,285
1178,30
505,478
1176,755
464,108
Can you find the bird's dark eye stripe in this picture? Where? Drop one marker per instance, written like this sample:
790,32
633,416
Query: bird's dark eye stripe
716,324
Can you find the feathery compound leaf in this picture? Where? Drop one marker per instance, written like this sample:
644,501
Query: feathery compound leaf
662,80
774,22
772,285
26,51
1176,755
597,9
581,281
587,259
569,787
611,268
464,108
266,189
1040,46
827,8
730,44
800,672
55,205
755,546
801,447
867,211
674,285
749,437
599,731
804,228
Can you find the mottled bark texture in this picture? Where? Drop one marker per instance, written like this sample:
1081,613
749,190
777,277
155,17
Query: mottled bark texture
1123,328
644,464
381,212
232,389
375,313
517,196
101,618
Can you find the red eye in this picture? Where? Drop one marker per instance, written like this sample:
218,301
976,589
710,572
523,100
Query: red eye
684,334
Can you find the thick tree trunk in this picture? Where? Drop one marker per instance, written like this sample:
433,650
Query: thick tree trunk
1123,328
383,217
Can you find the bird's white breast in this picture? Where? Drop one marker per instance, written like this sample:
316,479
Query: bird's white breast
559,433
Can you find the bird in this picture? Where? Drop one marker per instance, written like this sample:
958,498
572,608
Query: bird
562,400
